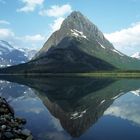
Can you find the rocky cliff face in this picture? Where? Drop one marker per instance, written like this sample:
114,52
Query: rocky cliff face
76,25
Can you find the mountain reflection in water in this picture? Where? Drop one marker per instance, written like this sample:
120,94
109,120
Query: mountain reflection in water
80,103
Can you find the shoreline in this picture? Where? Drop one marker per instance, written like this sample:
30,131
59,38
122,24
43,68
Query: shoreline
11,126
100,74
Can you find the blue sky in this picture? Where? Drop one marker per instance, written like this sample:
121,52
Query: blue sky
28,23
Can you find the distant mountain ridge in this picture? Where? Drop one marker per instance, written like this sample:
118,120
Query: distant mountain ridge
10,55
78,46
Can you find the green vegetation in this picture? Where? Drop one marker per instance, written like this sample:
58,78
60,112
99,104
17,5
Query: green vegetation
105,74
112,74
109,74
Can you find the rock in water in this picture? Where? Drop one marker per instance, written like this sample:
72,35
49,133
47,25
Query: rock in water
11,126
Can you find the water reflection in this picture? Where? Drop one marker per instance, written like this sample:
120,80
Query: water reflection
74,105
127,107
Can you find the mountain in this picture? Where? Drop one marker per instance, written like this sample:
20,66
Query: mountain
136,55
13,56
29,53
78,46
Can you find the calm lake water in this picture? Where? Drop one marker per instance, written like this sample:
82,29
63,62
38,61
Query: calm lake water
76,108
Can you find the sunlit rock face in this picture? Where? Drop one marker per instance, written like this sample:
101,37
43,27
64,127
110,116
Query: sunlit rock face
75,25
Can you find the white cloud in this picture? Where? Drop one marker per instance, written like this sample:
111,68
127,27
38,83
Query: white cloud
126,107
5,33
4,22
56,11
30,5
126,40
56,24
29,41
43,12
34,38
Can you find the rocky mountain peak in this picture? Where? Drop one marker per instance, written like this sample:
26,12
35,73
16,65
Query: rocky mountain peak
79,22
79,26
75,19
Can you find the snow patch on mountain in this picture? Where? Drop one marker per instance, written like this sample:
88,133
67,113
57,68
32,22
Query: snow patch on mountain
10,55
77,115
136,92
101,45
77,33
102,102
114,50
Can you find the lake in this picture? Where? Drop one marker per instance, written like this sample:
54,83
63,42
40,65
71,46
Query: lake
76,108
